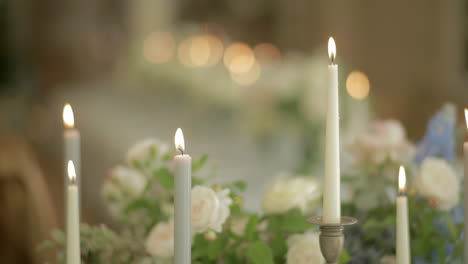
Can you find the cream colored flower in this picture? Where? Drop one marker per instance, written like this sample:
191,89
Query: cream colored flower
304,249
210,209
141,151
437,180
122,185
160,242
388,259
289,193
383,140
123,182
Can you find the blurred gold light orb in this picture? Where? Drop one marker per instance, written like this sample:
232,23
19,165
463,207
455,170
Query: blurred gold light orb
267,53
183,53
159,47
249,77
199,51
358,85
239,58
216,49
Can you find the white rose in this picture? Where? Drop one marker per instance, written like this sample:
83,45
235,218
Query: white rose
288,193
210,209
389,259
141,151
304,249
122,185
160,242
381,140
123,182
437,180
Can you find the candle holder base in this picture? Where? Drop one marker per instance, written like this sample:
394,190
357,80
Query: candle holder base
331,237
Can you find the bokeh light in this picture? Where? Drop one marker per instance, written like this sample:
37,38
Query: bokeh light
239,58
249,77
200,51
358,85
267,53
159,47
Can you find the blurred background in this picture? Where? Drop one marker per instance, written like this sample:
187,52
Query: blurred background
243,78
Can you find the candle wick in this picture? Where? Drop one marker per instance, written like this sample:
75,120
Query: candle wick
181,150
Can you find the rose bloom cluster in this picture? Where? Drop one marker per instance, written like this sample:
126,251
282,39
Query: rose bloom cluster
382,140
210,210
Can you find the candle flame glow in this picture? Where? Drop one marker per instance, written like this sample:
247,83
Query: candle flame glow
179,140
331,49
68,118
71,171
402,179
466,117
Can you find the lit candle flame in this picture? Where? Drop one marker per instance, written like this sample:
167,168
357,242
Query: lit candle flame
331,49
466,117
71,171
179,141
68,118
402,179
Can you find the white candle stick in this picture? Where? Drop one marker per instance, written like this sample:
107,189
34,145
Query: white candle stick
71,137
73,222
331,193
465,150
182,202
402,235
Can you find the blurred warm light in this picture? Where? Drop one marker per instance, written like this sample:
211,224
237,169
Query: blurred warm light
358,85
466,117
199,51
71,171
239,58
402,179
159,47
68,118
331,49
267,53
179,140
247,78
183,53
216,49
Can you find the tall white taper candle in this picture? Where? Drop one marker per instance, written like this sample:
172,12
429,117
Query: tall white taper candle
182,202
465,191
402,235
331,193
71,137
73,220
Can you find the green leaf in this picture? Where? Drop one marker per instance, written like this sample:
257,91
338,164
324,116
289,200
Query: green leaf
251,228
198,164
344,258
295,223
165,177
259,253
239,185
278,245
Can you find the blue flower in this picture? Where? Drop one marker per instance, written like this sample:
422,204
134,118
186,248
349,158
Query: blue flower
439,139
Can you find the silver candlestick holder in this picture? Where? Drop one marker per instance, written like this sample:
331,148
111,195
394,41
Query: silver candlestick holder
331,237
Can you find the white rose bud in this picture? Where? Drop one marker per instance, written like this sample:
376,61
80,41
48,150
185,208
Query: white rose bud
304,249
210,209
437,180
160,242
